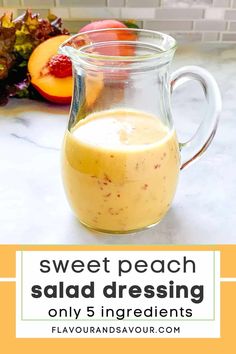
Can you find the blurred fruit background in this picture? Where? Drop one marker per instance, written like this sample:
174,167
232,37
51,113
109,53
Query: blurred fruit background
192,20
21,31
33,209
30,65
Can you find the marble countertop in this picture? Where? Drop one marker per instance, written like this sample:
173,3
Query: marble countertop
33,207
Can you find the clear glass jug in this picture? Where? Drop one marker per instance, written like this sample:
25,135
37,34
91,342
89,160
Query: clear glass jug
121,157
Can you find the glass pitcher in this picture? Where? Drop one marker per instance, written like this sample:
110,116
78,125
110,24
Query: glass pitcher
121,157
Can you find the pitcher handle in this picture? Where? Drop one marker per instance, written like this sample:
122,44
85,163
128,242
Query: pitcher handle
195,147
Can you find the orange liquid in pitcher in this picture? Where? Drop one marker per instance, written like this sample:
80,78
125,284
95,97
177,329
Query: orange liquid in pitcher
120,169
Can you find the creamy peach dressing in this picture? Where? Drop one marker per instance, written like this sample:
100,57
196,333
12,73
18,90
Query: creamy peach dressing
120,169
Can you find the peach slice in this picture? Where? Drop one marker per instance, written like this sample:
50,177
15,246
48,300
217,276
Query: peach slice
54,89
93,88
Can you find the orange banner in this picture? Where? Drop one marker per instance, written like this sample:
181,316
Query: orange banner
11,344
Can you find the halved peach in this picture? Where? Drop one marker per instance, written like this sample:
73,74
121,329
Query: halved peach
93,88
55,89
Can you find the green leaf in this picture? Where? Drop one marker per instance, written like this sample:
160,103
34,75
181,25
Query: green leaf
131,24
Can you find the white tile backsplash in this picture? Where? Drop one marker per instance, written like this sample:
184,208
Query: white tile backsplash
229,37
187,36
210,25
169,25
11,3
138,13
116,3
74,26
142,3
211,36
186,3
230,14
9,9
82,3
221,3
62,12
179,14
38,3
43,12
214,13
187,20
232,26
94,12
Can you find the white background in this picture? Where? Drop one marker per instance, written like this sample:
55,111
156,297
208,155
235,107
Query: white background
199,325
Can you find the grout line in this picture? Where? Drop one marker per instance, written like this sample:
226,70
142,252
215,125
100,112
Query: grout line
204,14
